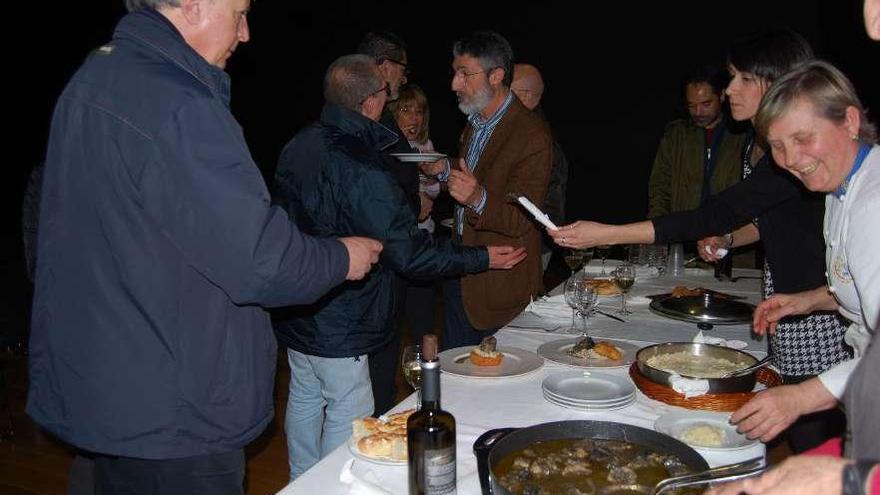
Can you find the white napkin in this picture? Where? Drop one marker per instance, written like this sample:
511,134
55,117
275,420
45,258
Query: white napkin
733,344
721,252
539,215
366,485
690,387
550,307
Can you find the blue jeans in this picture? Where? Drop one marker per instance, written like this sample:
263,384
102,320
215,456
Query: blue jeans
326,395
458,331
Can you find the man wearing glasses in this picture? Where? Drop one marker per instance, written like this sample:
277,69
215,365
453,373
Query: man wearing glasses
389,52
505,149
331,179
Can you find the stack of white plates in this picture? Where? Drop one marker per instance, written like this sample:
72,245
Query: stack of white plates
589,391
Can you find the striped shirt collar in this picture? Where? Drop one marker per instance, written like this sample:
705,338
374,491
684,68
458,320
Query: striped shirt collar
476,120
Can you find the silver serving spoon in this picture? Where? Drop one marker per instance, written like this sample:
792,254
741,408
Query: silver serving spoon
749,369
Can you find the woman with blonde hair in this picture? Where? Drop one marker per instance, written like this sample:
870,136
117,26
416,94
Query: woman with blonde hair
817,130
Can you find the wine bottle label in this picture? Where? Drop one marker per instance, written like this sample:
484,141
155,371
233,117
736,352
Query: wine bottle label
440,471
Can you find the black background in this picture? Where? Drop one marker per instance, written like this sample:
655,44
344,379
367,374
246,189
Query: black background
612,71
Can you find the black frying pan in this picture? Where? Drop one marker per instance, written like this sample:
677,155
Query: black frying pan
493,445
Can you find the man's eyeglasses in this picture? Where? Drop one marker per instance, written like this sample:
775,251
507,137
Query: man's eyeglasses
463,74
384,89
406,69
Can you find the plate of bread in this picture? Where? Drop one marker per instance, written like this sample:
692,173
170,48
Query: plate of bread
602,354
487,360
380,440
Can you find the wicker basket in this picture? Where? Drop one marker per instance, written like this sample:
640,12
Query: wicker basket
707,402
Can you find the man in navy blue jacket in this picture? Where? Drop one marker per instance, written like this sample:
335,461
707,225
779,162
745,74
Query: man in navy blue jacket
157,248
332,179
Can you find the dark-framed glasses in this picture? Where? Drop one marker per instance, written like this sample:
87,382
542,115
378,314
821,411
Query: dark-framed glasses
384,89
406,68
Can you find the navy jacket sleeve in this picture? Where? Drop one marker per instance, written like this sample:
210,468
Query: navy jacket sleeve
730,209
208,196
408,250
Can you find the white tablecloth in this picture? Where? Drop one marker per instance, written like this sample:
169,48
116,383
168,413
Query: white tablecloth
483,404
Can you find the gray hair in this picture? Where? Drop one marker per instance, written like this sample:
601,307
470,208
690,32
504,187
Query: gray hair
823,85
133,5
350,80
491,50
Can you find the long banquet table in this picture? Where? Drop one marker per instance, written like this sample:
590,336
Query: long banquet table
483,404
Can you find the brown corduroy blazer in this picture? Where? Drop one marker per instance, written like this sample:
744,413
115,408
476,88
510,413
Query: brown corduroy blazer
517,159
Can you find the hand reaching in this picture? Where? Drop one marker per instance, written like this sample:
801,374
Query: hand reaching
505,257
775,409
798,475
768,313
362,253
713,243
579,235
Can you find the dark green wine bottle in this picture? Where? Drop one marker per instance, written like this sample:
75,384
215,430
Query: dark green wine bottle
430,433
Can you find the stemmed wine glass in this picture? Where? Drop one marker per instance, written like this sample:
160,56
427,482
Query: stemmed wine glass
412,371
586,303
603,252
575,258
624,278
571,289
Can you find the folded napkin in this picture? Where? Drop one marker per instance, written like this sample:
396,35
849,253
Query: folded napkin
550,307
368,484
690,387
699,338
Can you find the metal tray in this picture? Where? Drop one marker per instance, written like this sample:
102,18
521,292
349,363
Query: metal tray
705,310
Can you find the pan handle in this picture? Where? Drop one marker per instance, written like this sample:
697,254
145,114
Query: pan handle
728,472
482,446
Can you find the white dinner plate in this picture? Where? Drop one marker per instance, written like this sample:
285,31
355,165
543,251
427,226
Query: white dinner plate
557,351
581,407
674,423
384,461
418,157
588,386
516,362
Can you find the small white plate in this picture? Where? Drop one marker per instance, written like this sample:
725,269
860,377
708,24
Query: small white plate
418,157
557,351
384,461
583,408
588,386
675,422
516,362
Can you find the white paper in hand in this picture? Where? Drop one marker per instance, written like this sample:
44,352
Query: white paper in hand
539,215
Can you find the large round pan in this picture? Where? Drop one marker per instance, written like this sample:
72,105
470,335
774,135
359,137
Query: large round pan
499,443
705,310
744,383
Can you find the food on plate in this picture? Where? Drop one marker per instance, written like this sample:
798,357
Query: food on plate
486,354
382,439
384,445
587,348
703,435
687,364
682,291
603,286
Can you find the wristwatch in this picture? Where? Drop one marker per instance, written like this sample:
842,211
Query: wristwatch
855,477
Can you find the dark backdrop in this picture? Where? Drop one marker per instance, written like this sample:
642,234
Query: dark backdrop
612,74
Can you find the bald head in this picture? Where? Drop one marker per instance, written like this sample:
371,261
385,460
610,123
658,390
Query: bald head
527,85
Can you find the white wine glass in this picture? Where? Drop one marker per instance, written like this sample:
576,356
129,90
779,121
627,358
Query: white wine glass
624,278
412,371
